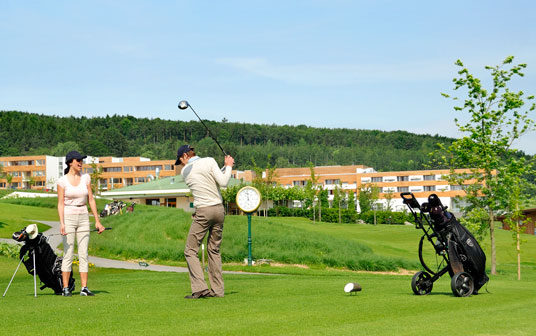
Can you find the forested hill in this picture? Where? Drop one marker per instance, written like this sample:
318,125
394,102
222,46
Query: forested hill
24,133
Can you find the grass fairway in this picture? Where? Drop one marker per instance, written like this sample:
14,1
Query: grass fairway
151,303
299,301
14,217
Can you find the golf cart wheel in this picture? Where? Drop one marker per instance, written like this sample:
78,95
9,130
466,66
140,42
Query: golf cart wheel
421,284
462,284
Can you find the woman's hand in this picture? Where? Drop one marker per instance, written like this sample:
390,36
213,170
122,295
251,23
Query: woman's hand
98,225
62,229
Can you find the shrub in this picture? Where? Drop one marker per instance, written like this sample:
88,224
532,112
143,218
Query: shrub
385,217
9,250
330,215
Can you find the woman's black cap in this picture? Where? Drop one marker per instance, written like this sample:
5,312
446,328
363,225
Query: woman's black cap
74,155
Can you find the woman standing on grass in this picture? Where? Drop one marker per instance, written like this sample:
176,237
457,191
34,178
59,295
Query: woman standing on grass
74,190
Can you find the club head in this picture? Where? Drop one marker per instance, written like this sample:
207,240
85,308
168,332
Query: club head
183,105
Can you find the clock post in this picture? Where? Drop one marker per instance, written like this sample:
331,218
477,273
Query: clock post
250,258
248,200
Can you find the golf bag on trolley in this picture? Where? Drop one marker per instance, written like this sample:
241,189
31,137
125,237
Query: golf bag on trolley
47,264
461,255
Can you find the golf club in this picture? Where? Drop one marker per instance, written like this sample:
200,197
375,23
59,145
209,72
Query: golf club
183,105
93,230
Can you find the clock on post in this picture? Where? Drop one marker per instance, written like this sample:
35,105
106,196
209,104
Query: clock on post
248,200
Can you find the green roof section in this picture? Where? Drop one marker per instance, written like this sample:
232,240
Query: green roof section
163,184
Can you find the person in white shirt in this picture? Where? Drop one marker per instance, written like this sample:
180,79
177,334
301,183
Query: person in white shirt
74,190
204,178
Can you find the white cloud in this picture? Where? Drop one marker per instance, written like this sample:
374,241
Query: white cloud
343,74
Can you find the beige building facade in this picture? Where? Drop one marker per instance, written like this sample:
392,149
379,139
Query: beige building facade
42,172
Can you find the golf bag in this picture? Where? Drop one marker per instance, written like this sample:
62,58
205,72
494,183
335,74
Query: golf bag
463,257
47,263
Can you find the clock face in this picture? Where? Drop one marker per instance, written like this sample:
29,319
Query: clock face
248,199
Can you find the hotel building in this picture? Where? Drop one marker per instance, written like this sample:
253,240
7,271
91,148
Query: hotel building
42,172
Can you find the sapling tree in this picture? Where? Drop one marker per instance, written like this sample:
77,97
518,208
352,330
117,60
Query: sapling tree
497,118
515,191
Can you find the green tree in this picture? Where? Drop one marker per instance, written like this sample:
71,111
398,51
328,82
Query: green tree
368,194
389,195
31,181
62,148
351,200
496,121
9,179
96,173
312,190
516,194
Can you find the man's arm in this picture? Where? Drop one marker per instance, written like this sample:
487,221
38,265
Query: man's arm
222,178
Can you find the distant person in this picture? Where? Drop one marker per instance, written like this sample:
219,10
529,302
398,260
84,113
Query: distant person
204,178
74,190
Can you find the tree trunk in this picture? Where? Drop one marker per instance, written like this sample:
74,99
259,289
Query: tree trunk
492,239
518,248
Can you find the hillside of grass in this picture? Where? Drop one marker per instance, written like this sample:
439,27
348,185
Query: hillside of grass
14,217
158,234
45,202
153,233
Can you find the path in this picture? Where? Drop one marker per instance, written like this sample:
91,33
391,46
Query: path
55,239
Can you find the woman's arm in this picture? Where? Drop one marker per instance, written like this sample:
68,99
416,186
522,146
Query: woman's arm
61,207
93,206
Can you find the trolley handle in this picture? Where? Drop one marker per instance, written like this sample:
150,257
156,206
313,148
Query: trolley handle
410,200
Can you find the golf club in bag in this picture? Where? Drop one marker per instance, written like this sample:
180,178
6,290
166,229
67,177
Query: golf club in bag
459,253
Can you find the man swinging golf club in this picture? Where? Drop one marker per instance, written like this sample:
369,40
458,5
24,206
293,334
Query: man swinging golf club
204,178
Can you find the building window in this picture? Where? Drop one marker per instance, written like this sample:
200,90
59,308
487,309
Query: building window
40,183
115,180
377,179
456,187
429,188
171,202
148,168
333,181
88,170
402,189
38,173
23,163
16,174
168,167
3,163
152,201
103,182
127,169
112,169
402,178
129,181
2,184
15,184
429,177
140,179
298,183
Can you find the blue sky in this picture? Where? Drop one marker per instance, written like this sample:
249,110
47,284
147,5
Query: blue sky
352,64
